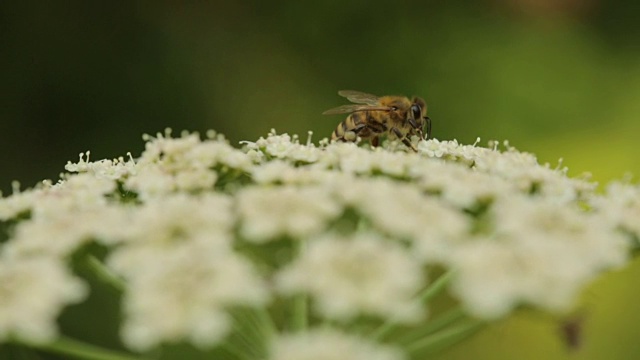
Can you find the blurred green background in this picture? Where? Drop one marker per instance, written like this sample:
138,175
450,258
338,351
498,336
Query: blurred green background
559,78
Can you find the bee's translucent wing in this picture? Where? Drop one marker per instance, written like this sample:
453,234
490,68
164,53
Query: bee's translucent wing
353,108
359,97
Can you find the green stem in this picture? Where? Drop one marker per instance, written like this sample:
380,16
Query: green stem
442,321
362,225
299,318
104,274
436,287
246,336
265,323
425,296
444,338
258,330
234,350
300,308
79,350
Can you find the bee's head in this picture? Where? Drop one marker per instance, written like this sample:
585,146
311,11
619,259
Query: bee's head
417,117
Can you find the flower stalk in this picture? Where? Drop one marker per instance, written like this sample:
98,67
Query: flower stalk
80,350
424,297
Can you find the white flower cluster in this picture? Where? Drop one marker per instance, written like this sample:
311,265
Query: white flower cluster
326,344
197,228
360,274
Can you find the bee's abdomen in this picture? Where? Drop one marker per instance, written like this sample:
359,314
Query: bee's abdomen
348,125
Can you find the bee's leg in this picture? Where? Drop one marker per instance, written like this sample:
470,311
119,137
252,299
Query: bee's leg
351,135
428,121
416,127
377,128
358,128
408,143
414,124
404,139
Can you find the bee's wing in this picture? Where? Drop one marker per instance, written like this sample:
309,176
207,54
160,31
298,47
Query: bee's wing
353,108
359,97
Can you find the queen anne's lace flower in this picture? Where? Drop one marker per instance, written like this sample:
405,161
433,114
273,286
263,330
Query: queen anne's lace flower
183,164
281,147
268,212
195,232
162,225
64,216
61,234
621,205
115,169
186,293
396,208
72,194
33,292
536,252
363,274
281,172
327,344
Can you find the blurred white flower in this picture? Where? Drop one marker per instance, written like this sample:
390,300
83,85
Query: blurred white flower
537,252
328,344
347,157
60,234
621,206
268,212
73,193
281,172
351,276
465,188
190,231
19,203
153,180
161,225
184,164
33,292
185,294
403,211
176,259
64,216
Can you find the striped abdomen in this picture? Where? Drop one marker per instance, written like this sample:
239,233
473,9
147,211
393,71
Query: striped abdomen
360,123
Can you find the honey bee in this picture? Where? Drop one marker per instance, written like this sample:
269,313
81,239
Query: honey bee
371,117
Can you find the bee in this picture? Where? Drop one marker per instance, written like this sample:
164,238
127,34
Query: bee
371,117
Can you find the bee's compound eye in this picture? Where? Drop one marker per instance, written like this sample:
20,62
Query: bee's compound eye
415,110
